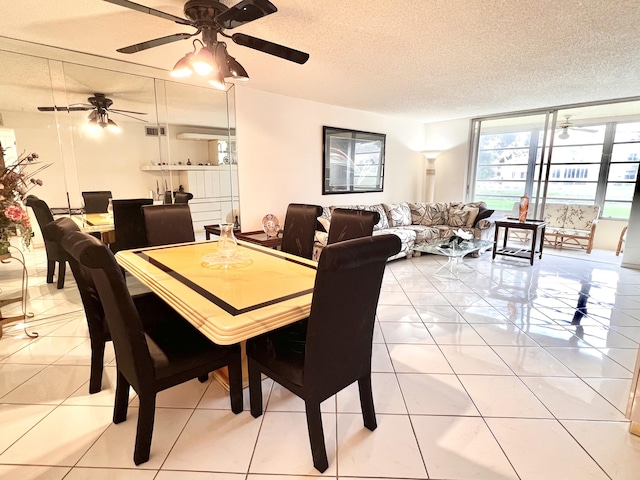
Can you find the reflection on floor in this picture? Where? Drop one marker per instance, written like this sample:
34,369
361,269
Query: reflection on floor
511,372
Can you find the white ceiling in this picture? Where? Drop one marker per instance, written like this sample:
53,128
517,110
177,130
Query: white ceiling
429,60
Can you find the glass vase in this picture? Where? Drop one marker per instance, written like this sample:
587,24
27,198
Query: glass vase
524,208
227,243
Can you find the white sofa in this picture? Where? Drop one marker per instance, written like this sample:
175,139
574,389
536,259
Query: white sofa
418,223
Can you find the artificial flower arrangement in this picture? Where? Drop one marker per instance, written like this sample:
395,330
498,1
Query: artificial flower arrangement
459,236
15,183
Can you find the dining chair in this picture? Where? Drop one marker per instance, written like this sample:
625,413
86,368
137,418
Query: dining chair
182,197
55,253
335,350
129,224
167,224
347,224
299,229
150,358
96,202
622,240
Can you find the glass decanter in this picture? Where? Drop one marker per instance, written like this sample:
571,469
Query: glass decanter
227,243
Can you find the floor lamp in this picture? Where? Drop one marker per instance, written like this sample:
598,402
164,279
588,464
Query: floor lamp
430,179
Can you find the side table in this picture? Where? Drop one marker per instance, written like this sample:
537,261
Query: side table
537,227
258,237
5,260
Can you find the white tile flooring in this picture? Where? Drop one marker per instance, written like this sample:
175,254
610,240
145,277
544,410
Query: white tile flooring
479,378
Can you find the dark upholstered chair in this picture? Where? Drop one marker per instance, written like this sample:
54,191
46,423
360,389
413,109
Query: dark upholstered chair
182,197
151,358
129,224
335,350
96,202
167,224
55,253
349,224
299,229
98,331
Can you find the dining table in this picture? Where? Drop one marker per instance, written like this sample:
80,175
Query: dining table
101,223
229,299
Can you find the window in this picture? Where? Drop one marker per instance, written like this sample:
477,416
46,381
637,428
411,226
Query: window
593,164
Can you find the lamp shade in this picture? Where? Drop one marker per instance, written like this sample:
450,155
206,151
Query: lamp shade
236,70
217,80
431,154
183,67
204,63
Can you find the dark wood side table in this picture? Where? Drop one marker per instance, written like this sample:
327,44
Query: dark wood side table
258,237
536,227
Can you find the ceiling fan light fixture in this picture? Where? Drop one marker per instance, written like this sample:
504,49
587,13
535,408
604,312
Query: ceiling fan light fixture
217,81
564,134
236,70
183,67
113,126
204,63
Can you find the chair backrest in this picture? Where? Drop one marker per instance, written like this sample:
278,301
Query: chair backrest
129,224
167,224
299,229
340,330
96,202
40,209
55,232
125,325
182,197
348,224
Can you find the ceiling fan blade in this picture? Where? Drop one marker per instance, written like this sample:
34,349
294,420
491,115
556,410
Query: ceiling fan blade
116,110
270,48
65,109
156,42
151,11
244,12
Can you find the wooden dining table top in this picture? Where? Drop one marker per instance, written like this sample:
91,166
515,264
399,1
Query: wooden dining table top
228,303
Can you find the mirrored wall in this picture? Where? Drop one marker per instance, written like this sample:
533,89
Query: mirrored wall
134,135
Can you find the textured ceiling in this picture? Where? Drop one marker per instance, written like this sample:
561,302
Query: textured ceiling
428,60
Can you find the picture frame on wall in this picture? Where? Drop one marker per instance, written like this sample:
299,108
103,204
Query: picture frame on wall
353,161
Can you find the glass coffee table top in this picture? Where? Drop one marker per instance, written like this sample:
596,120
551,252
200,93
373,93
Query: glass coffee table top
453,251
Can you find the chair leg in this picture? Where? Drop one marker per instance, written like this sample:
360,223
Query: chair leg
122,399
255,388
316,436
97,360
62,268
235,385
146,415
366,403
51,266
203,378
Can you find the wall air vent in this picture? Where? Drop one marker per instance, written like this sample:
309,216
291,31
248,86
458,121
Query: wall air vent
155,131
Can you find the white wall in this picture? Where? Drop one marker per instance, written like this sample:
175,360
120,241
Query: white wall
452,139
280,154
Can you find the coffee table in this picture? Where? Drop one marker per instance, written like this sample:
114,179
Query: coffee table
454,252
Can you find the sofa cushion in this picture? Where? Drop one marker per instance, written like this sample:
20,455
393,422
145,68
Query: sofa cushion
435,214
398,214
457,216
407,239
423,234
581,217
417,212
555,214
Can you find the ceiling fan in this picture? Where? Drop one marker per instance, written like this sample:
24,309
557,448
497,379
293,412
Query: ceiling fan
211,18
100,107
567,125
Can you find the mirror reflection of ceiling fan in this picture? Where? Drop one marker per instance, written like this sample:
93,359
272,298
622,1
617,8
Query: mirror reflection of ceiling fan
100,107
567,125
210,18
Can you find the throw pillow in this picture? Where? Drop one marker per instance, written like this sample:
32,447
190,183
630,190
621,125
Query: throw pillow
482,214
458,217
473,213
435,214
325,223
418,211
399,214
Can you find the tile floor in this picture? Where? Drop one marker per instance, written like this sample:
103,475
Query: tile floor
491,376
